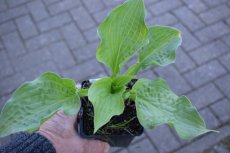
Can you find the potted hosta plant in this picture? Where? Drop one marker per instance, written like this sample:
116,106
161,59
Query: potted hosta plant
113,108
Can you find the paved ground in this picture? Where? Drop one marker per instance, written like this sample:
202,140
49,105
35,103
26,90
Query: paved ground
60,36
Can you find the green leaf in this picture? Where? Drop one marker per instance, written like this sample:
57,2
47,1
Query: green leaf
36,101
156,104
105,102
120,81
122,33
161,49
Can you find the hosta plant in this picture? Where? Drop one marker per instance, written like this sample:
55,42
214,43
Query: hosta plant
122,34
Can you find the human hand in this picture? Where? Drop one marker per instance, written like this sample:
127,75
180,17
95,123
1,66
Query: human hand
60,131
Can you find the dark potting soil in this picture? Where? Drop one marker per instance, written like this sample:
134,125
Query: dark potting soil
124,124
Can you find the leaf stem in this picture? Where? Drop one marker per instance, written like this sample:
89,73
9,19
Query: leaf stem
129,95
132,96
134,69
82,92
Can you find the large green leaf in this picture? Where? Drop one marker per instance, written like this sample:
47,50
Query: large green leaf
161,50
156,104
105,102
122,33
36,101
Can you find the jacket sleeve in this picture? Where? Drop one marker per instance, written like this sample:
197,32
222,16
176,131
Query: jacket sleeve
28,143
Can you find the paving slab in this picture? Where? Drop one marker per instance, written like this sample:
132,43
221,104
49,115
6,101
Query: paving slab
61,36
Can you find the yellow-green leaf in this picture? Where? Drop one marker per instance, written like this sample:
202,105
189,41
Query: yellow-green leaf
36,101
122,33
156,104
105,102
161,49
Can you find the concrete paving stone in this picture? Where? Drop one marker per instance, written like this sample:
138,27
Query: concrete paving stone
206,142
189,41
147,74
205,73
115,149
163,139
26,26
101,15
16,49
225,60
215,14
84,71
219,148
54,22
3,5
99,74
205,96
61,55
82,18
196,5
7,27
123,151
13,3
38,10
210,119
228,21
223,84
209,150
174,79
13,13
1,45
69,29
209,52
139,138
123,70
212,32
91,35
42,40
86,52
31,59
222,109
3,100
190,20
93,6
183,61
5,65
164,19
147,2
49,2
73,36
148,14
35,71
109,3
143,146
226,39
214,3
164,6
132,60
9,84
63,6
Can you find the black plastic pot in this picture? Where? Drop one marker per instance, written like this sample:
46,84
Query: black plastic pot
114,140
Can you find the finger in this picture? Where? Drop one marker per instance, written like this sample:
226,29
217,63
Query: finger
107,148
65,118
97,146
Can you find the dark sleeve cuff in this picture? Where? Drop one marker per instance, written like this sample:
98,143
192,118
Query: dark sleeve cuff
28,143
